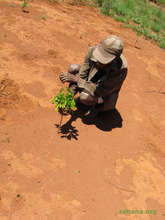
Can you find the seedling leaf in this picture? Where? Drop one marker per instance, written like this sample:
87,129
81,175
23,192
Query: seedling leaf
24,4
64,102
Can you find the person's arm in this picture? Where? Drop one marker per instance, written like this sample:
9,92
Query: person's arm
83,82
86,66
83,72
82,77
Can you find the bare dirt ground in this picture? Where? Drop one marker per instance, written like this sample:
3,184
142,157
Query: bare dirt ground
95,168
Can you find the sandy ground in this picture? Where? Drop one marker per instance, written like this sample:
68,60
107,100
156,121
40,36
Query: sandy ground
97,168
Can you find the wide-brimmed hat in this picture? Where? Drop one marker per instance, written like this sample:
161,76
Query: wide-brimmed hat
108,49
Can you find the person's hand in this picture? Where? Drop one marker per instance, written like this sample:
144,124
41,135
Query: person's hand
68,77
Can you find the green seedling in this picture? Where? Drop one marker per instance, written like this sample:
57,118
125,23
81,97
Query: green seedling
24,4
44,17
65,103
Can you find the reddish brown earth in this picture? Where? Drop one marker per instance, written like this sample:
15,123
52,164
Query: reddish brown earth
95,168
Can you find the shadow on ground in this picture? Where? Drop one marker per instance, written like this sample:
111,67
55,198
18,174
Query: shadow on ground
105,121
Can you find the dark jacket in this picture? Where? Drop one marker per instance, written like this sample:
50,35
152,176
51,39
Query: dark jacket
98,82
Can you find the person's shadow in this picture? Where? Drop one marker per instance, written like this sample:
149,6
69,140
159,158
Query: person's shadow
105,121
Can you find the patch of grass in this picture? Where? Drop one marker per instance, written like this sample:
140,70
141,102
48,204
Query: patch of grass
162,43
105,6
143,17
121,19
156,27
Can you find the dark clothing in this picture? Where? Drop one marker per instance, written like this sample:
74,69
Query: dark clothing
98,82
101,82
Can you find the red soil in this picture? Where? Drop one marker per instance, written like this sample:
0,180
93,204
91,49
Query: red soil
95,168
